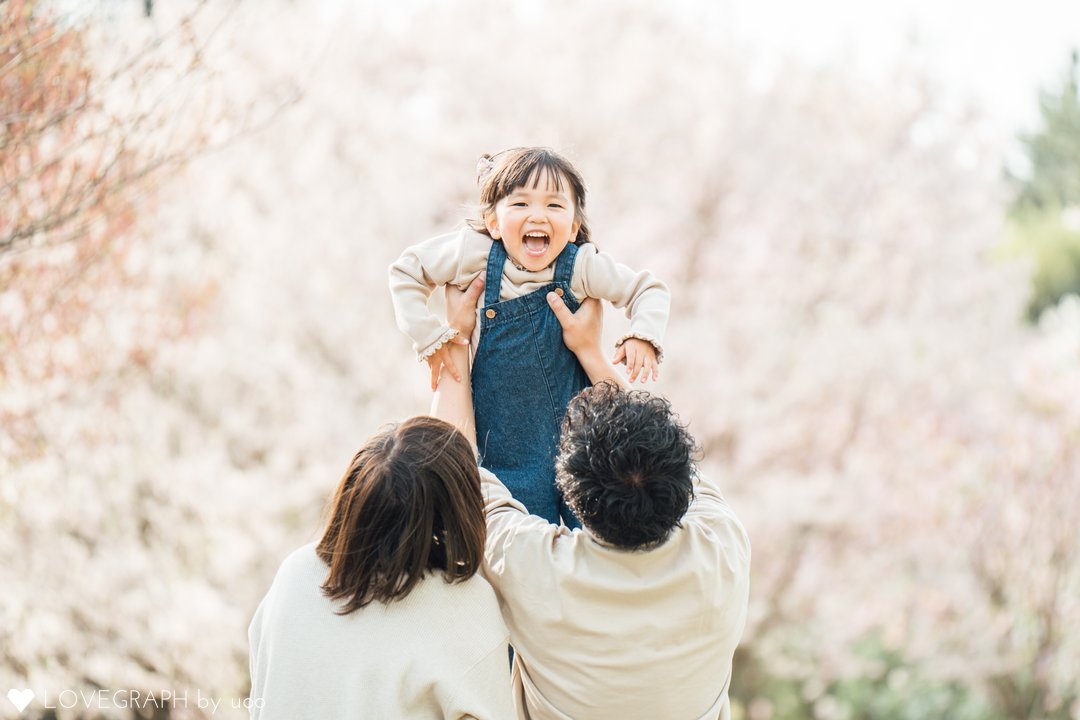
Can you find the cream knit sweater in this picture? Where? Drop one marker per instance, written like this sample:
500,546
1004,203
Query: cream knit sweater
607,634
458,257
441,652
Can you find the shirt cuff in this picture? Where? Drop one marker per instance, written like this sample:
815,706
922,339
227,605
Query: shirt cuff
448,335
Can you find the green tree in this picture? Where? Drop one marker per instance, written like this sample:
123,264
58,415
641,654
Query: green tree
1044,218
1054,151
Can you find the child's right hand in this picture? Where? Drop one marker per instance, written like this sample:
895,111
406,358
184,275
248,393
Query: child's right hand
441,359
640,358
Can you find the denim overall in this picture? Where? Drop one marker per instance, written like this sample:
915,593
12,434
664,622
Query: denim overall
523,377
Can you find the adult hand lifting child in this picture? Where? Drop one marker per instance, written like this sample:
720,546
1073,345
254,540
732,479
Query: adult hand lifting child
580,331
460,317
638,356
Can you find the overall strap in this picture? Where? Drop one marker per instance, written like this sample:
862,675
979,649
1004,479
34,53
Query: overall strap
493,279
564,266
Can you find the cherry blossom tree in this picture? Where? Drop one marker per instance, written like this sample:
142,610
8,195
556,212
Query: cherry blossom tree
104,578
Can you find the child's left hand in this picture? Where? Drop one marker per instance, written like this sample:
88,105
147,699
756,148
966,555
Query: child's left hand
640,358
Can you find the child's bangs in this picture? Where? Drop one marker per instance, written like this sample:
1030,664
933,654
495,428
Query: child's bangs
532,170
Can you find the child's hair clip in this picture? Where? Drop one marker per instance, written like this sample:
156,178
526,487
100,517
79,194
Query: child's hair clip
484,166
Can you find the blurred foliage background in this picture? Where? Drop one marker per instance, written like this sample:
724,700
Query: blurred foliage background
1045,216
875,330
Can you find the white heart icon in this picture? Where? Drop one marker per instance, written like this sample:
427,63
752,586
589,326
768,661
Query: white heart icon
20,698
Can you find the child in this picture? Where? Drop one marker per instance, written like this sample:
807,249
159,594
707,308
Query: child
531,238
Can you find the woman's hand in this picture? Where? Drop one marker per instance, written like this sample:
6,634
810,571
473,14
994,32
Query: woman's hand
461,307
460,316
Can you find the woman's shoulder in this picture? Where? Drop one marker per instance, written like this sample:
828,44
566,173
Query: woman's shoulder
303,557
300,565
471,601
464,592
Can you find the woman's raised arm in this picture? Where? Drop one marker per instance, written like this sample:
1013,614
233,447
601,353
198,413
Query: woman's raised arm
452,401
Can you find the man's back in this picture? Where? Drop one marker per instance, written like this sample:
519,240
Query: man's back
604,632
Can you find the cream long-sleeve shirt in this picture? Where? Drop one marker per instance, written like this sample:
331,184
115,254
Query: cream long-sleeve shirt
601,632
440,652
457,258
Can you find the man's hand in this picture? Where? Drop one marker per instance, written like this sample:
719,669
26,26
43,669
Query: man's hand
581,333
580,330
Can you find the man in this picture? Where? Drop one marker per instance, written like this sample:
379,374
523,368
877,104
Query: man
638,614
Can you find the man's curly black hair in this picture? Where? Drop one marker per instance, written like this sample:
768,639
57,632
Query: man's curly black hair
626,465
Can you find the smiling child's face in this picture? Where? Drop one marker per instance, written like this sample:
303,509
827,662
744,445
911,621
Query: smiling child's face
535,222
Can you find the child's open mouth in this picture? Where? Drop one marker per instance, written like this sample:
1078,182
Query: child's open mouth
536,244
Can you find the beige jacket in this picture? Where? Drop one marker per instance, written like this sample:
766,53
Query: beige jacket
601,632
457,258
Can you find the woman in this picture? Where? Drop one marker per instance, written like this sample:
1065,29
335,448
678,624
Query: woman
385,617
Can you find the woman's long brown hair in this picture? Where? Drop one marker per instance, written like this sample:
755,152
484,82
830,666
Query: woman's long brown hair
409,503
